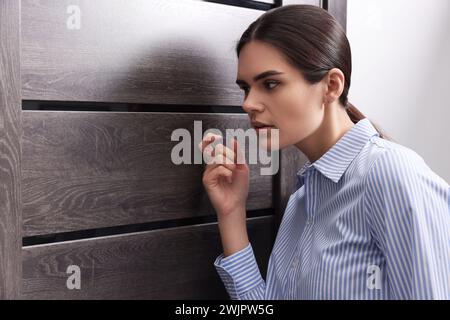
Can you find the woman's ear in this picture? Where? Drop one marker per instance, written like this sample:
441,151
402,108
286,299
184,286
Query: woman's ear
334,83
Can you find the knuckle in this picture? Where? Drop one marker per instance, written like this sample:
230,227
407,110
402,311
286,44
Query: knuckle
220,159
208,150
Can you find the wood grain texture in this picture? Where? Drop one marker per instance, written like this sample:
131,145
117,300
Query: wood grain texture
84,170
10,157
139,51
159,51
175,263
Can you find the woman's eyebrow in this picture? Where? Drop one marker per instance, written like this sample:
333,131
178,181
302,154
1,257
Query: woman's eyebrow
261,76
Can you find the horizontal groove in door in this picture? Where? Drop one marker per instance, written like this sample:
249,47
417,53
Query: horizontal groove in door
36,105
140,51
168,264
109,231
88,170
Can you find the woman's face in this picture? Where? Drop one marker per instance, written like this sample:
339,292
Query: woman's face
285,101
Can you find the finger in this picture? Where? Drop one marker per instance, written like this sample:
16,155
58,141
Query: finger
208,139
227,152
238,152
210,156
220,160
221,171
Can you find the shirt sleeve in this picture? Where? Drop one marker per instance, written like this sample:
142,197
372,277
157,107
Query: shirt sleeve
240,275
410,222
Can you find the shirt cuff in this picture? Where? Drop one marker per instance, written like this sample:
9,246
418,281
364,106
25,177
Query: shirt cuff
239,272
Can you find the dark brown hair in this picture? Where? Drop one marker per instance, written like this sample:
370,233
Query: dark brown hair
312,40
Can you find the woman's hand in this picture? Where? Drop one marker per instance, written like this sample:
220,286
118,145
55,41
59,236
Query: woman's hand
225,180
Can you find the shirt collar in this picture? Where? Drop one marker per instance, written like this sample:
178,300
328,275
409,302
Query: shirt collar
337,159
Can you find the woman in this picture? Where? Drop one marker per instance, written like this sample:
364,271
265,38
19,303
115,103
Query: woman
369,220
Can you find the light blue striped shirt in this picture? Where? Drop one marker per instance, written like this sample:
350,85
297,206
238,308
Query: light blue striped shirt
369,220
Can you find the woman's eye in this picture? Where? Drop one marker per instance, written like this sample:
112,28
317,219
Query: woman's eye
245,89
269,83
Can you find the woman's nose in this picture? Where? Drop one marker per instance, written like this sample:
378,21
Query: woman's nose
252,106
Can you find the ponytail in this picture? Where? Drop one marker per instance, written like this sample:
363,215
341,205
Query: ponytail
356,115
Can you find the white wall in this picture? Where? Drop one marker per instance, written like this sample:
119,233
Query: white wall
401,72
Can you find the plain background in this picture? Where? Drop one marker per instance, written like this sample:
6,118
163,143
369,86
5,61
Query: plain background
401,72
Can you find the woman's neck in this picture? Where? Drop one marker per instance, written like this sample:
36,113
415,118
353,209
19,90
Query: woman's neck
336,123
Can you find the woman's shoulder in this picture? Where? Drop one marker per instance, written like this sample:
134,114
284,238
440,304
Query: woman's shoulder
393,162
391,148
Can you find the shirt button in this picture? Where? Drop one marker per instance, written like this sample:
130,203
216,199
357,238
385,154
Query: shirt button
294,263
309,222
